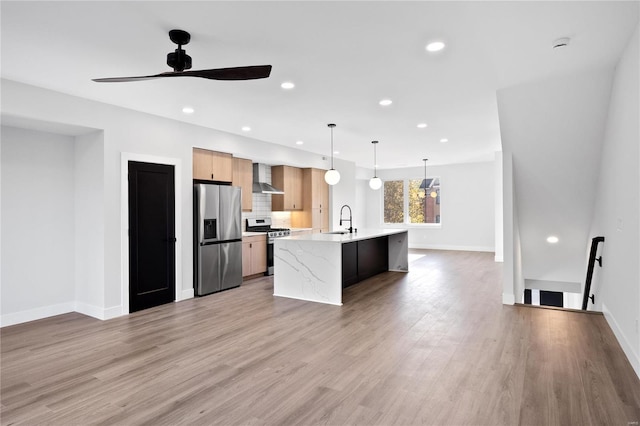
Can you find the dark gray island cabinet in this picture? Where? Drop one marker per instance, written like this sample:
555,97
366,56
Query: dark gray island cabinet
364,259
317,267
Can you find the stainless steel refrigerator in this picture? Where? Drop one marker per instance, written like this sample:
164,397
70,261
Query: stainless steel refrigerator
217,238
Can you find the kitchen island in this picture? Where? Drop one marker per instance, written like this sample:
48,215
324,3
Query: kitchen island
317,267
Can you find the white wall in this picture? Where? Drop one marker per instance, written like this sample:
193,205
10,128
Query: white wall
89,211
344,192
617,208
38,232
499,215
553,129
467,207
138,133
360,212
512,267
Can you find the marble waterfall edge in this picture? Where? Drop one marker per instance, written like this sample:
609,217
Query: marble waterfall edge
308,270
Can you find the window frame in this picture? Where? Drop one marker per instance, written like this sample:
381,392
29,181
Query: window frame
405,206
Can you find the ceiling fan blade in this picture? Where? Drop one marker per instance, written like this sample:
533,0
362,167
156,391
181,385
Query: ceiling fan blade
237,73
125,79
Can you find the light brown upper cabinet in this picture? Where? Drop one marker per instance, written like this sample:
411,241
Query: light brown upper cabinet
289,179
212,165
315,189
315,202
243,177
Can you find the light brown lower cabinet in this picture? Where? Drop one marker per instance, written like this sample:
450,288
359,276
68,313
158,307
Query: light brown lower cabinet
254,255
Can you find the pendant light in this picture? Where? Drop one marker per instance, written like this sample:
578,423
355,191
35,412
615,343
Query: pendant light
424,185
375,182
332,176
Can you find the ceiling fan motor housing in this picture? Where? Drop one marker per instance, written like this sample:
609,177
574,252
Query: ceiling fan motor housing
179,60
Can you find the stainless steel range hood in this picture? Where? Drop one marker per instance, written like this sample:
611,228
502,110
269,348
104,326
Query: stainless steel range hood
260,186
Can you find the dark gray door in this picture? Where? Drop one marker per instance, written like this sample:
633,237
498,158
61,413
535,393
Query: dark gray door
151,235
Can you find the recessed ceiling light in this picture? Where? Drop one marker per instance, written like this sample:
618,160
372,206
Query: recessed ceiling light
443,140
336,152
435,46
287,85
188,110
246,128
385,102
299,142
552,239
422,125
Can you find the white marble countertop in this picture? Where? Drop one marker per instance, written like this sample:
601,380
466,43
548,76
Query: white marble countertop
362,234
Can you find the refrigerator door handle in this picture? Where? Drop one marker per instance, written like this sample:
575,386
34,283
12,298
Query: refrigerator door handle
201,206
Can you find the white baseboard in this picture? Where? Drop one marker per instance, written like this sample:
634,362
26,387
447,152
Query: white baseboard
627,348
89,310
36,314
449,247
64,308
113,312
186,294
98,312
508,299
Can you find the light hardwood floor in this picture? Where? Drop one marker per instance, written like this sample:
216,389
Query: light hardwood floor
434,346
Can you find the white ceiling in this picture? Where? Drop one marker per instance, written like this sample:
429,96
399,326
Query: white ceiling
343,57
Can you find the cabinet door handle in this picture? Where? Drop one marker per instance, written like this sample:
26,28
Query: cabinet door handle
211,175
250,245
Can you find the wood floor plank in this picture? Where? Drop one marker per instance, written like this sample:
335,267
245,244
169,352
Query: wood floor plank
433,346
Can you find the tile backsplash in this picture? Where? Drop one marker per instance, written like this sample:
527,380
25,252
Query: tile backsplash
262,208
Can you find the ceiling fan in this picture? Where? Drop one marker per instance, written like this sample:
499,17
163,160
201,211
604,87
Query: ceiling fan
180,61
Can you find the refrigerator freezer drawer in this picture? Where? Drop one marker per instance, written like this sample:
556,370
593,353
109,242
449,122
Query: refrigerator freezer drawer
219,267
230,265
209,269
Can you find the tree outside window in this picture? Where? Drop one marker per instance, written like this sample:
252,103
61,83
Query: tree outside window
422,201
394,201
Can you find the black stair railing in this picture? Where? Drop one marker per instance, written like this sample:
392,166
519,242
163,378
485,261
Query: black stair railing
592,260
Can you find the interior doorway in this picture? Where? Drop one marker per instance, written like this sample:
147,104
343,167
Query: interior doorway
152,238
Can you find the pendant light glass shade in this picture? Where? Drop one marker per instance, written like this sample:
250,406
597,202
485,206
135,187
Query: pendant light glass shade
375,182
332,176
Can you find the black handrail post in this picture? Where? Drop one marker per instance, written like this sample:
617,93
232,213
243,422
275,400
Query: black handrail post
592,260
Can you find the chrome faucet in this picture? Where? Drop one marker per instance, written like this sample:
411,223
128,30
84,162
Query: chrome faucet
350,218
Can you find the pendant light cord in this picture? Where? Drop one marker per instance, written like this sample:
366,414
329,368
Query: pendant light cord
332,147
375,161
425,178
331,126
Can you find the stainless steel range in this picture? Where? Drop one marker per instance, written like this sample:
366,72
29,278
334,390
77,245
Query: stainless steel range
264,225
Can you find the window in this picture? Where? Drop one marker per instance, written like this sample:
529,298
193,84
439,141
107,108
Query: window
415,201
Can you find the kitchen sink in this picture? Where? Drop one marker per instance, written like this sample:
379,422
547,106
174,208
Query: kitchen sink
337,232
